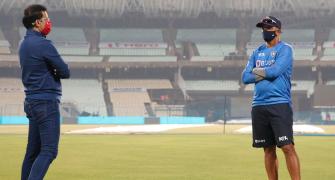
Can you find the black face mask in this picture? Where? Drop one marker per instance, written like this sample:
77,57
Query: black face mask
269,35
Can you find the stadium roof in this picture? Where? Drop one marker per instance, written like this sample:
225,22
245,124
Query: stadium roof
179,8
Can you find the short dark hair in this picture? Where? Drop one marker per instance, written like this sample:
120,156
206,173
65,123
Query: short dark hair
31,14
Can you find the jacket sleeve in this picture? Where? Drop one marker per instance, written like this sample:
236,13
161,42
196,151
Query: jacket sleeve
53,58
247,76
283,61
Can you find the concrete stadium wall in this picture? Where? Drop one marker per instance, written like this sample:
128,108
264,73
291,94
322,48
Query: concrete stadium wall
122,120
13,120
181,120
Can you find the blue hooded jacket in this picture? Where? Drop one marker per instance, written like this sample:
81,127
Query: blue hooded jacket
277,62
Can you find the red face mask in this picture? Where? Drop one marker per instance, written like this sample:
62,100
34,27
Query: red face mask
47,28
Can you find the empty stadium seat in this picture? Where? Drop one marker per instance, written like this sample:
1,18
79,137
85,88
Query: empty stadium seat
69,41
140,83
329,52
130,48
129,103
212,85
4,50
72,48
4,46
131,35
168,110
330,113
207,36
11,58
303,85
11,97
298,35
332,35
207,58
142,59
60,34
87,95
209,42
129,96
303,54
15,58
132,52
331,82
82,58
219,50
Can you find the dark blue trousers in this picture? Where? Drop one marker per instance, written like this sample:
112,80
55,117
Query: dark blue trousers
43,137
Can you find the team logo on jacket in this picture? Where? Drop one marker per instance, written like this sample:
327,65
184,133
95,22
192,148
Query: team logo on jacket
258,63
264,63
261,54
273,54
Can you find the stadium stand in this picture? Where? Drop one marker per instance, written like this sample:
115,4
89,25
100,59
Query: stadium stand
15,58
72,48
303,53
69,41
328,115
213,36
82,58
329,46
215,49
4,47
298,35
68,34
132,42
142,59
106,50
303,86
329,51
206,58
131,35
4,44
140,83
129,96
7,57
168,110
209,42
129,103
12,97
86,95
331,82
212,85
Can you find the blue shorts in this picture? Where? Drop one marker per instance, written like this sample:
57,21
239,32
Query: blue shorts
272,125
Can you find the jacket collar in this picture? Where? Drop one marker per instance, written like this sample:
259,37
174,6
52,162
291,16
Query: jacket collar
32,32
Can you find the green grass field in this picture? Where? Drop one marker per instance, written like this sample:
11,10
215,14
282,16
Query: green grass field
167,157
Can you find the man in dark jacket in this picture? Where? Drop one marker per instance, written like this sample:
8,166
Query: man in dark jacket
42,68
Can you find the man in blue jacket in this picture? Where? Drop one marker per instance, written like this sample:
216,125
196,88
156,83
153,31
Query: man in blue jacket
270,68
42,68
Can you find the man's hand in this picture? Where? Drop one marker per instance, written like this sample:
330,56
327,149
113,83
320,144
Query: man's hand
259,78
55,74
259,72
